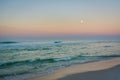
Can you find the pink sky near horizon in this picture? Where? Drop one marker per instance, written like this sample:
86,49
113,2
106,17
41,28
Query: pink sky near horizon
71,26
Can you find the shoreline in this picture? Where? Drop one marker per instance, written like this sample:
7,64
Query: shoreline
76,70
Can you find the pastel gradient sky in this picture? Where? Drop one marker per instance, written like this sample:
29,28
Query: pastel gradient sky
59,17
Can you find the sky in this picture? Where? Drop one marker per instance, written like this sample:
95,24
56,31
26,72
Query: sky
24,18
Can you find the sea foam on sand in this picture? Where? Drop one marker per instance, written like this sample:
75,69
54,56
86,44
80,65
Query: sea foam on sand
75,70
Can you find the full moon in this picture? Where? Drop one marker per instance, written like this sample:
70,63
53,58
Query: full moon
81,21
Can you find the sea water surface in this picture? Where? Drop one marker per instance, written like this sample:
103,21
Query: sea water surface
22,60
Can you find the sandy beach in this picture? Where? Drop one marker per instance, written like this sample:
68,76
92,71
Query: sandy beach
100,70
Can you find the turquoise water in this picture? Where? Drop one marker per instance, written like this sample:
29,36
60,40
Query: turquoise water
19,58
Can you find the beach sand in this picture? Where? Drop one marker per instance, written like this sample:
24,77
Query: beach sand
100,70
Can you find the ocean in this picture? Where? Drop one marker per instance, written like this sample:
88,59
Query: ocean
23,60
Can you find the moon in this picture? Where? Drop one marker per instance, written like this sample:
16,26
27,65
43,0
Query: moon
81,21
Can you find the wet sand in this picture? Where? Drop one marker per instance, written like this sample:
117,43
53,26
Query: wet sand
100,70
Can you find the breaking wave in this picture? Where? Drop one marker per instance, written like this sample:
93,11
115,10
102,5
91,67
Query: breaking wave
51,60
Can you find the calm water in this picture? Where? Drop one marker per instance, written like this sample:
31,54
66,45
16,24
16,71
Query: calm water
45,56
